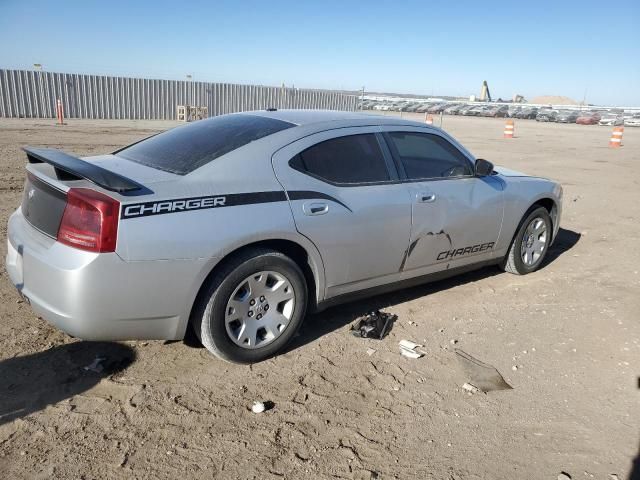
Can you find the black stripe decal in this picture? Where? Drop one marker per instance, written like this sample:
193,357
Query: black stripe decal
309,195
146,209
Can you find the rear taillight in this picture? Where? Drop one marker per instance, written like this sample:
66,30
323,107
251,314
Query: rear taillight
90,221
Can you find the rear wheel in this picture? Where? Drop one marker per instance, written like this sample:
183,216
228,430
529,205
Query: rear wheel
530,244
252,307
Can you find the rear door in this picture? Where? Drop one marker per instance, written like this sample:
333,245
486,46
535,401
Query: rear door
345,197
457,216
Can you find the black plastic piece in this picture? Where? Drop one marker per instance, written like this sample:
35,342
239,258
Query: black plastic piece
75,168
375,324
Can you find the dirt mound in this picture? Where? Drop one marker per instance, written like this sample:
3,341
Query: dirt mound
553,100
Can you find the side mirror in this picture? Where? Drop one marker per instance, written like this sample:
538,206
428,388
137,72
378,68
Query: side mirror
483,167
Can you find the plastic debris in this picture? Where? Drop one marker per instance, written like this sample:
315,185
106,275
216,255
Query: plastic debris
370,351
481,375
96,366
408,349
410,353
375,324
258,407
470,388
409,345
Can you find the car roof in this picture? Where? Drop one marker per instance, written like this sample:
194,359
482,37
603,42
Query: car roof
312,117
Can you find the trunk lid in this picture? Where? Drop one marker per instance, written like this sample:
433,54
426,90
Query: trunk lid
43,204
51,173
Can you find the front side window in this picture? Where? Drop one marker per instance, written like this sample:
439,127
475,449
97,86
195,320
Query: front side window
352,159
424,155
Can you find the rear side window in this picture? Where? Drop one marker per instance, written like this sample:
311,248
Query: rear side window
345,160
184,149
428,156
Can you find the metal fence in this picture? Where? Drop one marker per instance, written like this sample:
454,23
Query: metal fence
33,94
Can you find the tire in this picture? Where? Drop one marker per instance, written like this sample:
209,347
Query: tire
520,260
233,285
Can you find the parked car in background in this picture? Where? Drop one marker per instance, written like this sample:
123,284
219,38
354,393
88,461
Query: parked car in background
612,119
527,113
546,115
423,108
463,109
566,116
588,118
452,109
475,111
513,110
497,111
632,121
437,108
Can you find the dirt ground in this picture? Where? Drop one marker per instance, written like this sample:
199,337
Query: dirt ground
172,410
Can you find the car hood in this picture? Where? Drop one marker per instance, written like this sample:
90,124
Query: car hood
506,172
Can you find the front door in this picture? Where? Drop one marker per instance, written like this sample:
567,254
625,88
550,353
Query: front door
456,216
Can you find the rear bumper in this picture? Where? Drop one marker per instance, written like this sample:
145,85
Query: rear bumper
100,296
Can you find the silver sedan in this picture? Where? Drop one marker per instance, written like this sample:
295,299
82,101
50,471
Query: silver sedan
238,225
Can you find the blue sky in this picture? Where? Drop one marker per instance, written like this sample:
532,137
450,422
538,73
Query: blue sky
423,47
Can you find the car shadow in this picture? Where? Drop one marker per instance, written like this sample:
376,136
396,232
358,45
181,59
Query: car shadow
30,383
320,324
634,473
565,240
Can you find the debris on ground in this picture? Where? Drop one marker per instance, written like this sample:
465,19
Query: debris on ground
258,407
564,476
481,375
408,349
375,324
370,351
470,388
96,366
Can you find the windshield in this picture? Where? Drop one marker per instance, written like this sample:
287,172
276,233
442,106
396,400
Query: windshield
184,149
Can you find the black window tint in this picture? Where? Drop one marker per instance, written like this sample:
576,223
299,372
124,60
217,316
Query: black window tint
181,150
350,159
429,156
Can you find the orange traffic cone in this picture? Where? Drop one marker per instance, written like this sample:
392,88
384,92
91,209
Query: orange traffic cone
616,137
428,119
509,129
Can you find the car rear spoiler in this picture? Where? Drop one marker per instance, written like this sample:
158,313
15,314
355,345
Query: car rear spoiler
73,168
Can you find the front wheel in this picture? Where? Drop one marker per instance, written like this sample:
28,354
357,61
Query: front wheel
252,307
530,244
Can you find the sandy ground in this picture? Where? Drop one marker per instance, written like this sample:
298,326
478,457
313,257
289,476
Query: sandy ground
172,410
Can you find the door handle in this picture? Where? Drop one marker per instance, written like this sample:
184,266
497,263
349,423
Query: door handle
426,197
315,208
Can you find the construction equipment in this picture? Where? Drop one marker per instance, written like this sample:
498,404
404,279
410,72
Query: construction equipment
485,95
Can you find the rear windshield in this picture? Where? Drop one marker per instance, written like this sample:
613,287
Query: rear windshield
183,149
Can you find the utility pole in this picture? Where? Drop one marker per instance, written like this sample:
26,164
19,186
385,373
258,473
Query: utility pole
193,97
